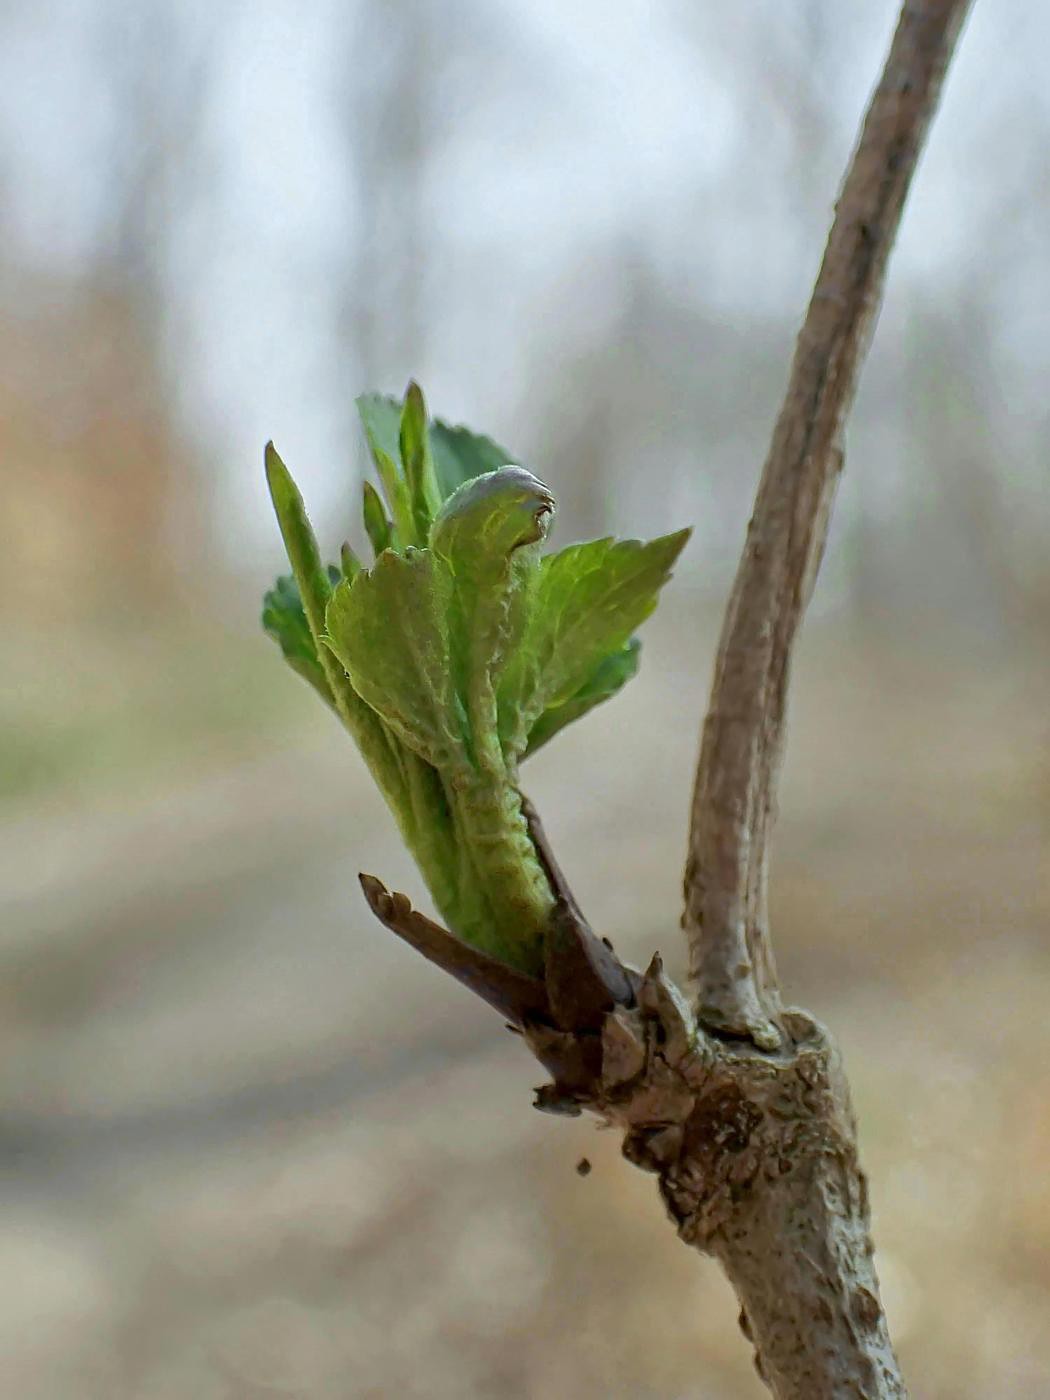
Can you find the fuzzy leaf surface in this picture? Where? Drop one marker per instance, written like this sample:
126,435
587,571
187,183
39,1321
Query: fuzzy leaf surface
389,628
488,534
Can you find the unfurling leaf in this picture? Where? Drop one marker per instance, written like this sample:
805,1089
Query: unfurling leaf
483,522
488,533
459,652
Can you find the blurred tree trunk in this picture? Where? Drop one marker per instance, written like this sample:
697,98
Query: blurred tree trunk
104,499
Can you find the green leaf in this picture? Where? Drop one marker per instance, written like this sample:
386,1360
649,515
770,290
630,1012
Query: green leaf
488,533
460,650
389,628
352,566
610,675
377,526
299,541
381,418
414,441
284,619
421,635
483,522
460,455
588,601
314,583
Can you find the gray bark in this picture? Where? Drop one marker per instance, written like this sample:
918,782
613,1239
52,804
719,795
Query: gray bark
756,1157
726,918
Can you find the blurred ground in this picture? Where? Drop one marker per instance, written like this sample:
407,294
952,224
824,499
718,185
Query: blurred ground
253,1148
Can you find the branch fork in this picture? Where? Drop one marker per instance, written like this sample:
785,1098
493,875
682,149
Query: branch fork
743,1142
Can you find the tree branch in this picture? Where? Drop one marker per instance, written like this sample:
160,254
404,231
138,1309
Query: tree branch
726,917
741,1109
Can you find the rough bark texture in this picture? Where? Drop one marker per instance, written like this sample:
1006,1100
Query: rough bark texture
740,1107
757,1164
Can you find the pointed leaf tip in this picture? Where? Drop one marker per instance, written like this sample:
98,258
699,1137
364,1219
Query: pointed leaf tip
271,459
313,580
351,565
283,490
418,463
377,526
679,539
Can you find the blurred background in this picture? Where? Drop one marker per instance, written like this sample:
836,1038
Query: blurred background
249,1146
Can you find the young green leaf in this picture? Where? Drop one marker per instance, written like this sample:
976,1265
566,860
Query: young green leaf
483,522
389,629
315,587
449,661
377,526
299,541
352,566
610,675
284,619
460,455
381,418
422,636
488,533
589,599
414,442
